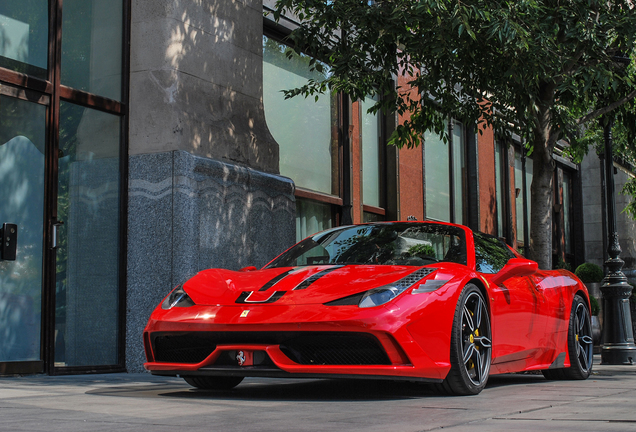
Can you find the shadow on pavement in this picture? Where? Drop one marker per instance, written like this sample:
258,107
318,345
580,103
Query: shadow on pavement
305,390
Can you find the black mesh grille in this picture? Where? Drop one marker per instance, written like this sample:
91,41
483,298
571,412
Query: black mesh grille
308,348
335,349
183,347
410,280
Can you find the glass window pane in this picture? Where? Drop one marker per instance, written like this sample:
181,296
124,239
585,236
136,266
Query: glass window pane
306,130
519,195
312,217
459,172
491,254
24,32
437,174
371,217
92,46
87,284
529,167
567,217
22,141
499,149
370,129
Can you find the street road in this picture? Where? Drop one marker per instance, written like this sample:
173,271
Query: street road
136,402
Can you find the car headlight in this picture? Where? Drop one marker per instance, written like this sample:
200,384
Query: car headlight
177,298
379,296
384,294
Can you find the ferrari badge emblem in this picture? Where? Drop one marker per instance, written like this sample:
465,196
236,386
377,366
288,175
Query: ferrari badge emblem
240,358
244,313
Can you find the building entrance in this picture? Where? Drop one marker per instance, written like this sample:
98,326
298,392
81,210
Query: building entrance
62,160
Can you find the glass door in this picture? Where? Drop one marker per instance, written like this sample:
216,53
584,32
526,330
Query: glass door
87,294
62,158
22,156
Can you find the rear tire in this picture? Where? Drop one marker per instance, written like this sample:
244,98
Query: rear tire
580,345
214,382
471,346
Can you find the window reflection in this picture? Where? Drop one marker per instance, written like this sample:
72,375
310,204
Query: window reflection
413,244
305,129
491,254
500,187
22,138
519,196
370,132
459,172
444,164
311,217
24,36
567,217
437,170
92,46
87,285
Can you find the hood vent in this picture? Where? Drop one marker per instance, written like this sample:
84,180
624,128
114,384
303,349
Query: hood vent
313,278
274,281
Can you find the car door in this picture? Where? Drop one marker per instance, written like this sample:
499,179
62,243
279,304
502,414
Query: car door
518,331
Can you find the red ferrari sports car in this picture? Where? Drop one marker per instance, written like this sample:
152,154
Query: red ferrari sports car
420,301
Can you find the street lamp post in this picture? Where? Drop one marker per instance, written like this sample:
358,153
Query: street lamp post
618,336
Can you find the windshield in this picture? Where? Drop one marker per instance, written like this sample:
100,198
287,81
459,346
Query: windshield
413,244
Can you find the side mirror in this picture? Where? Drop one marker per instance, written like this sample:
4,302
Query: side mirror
514,268
248,269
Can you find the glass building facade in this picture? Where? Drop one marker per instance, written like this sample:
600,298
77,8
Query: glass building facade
62,160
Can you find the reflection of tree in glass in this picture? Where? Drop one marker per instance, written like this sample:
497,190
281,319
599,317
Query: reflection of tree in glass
491,255
421,250
373,245
283,56
22,137
382,243
22,143
70,117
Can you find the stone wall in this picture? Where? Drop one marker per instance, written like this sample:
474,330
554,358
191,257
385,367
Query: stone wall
196,81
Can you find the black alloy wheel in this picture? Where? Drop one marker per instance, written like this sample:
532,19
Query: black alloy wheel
471,345
580,345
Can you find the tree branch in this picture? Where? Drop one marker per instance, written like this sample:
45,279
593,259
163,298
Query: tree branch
554,137
611,107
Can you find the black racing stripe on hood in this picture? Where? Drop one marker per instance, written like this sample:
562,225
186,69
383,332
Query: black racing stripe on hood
313,278
274,281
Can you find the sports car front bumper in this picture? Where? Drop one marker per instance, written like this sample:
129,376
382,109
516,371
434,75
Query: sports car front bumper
294,341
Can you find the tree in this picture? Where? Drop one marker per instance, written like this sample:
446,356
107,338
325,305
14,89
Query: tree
541,69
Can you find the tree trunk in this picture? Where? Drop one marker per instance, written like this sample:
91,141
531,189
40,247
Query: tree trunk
541,208
542,182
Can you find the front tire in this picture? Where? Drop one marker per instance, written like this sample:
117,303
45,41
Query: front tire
580,345
214,382
471,346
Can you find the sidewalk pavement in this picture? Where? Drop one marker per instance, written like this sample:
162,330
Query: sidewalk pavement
136,402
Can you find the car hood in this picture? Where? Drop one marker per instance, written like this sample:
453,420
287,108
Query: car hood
290,285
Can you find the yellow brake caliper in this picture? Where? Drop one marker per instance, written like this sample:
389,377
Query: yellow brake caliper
471,338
